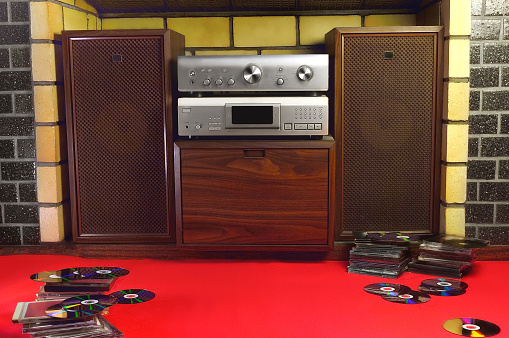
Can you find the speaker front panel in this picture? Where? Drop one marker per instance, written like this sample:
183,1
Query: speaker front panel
122,190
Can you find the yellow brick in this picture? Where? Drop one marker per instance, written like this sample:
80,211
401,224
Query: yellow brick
453,188
456,101
69,2
203,32
457,58
50,143
226,52
43,62
92,22
455,143
46,20
52,221
313,28
452,220
456,16
133,23
74,20
49,103
264,31
287,51
390,20
52,184
85,5
99,23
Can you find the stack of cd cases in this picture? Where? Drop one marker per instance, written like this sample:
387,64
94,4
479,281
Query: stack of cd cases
381,254
446,256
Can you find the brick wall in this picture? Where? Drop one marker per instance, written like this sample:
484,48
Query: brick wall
19,213
487,208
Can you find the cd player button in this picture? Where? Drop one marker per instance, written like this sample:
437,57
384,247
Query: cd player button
311,126
318,126
301,126
288,126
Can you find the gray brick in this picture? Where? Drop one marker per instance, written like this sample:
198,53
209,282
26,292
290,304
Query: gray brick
475,54
476,7
503,169
470,231
19,213
4,58
496,52
504,124
8,192
475,100
496,7
506,29
18,171
473,147
10,235
16,126
495,100
502,214
5,103
483,124
27,192
19,11
494,146
24,104
505,77
31,235
15,80
26,148
14,35
494,191
479,213
21,57
481,169
3,12
497,235
484,77
486,29
472,191
6,148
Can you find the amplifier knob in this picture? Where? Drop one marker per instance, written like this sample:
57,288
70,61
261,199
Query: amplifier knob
304,73
252,74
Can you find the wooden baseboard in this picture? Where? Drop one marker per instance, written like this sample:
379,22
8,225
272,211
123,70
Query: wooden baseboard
340,252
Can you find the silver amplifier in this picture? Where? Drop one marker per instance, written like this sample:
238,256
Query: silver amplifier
253,116
298,72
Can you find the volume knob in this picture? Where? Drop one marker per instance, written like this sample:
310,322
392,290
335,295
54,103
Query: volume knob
304,73
252,74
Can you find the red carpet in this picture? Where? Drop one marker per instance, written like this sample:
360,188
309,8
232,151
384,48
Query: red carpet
202,298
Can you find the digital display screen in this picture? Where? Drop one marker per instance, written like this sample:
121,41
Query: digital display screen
252,115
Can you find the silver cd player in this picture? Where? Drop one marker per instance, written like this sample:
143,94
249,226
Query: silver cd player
253,116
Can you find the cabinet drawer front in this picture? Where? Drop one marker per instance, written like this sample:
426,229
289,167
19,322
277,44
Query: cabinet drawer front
255,196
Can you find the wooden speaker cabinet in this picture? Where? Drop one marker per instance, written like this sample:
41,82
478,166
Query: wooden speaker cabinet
119,130
255,195
386,85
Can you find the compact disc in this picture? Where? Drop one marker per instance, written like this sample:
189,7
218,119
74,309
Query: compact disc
57,276
411,297
133,296
465,243
88,303
102,272
445,284
387,289
470,327
440,291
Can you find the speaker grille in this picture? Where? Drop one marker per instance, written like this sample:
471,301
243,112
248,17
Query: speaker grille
120,152
388,136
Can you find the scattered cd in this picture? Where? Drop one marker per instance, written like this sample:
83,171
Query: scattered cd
440,291
445,283
470,327
411,297
57,276
102,272
465,243
88,303
387,289
133,296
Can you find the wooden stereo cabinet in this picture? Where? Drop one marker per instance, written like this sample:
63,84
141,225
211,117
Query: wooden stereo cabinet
255,194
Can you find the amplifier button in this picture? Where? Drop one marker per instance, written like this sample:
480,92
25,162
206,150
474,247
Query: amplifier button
206,82
231,81
219,82
280,81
